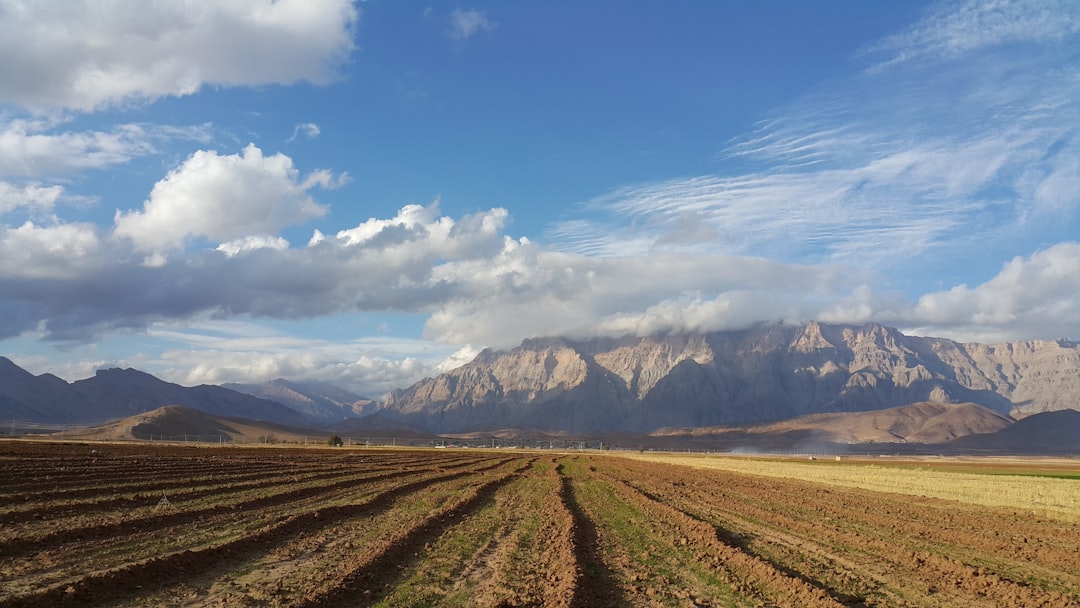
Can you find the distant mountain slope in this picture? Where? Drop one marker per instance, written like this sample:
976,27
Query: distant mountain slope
1044,433
117,393
770,372
318,401
914,423
26,396
178,422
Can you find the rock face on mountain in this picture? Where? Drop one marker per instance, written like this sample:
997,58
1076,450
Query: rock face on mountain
116,393
760,374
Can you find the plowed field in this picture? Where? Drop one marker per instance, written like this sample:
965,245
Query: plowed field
150,525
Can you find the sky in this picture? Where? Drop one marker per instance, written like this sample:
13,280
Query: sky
368,193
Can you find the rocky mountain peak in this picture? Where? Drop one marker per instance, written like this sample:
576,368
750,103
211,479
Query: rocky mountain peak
642,364
768,372
811,339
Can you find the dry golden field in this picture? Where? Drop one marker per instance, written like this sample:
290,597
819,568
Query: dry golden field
1043,486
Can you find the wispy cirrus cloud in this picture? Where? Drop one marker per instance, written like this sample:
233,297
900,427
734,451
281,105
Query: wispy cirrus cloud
954,28
894,166
39,149
309,130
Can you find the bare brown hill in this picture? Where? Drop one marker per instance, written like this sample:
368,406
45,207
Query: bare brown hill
179,423
914,423
1046,433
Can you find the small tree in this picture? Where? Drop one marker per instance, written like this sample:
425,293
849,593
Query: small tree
335,441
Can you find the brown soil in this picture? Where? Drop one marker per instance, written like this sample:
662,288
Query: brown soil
151,525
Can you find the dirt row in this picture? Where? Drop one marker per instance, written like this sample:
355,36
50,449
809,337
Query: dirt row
360,527
875,549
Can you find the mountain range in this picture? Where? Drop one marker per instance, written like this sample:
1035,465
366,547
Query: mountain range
765,373
659,384
118,393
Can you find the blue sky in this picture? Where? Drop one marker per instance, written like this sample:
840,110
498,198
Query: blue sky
368,193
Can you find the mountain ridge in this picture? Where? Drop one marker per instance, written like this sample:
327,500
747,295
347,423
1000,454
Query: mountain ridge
319,401
118,393
767,372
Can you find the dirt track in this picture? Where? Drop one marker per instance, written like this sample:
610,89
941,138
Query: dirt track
143,525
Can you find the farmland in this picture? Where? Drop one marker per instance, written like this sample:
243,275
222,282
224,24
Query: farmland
152,525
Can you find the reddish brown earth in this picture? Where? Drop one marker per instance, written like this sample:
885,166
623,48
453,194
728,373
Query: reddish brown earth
152,525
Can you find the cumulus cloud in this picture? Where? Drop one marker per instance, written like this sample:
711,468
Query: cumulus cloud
39,254
1032,296
526,291
32,196
464,24
476,285
379,265
250,243
84,55
222,198
479,285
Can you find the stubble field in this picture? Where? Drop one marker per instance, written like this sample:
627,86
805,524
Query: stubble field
151,525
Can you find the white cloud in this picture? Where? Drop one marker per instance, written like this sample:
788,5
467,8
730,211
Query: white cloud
251,243
526,291
113,286
309,130
49,253
418,237
1034,296
83,55
464,24
215,352
222,198
26,151
68,370
954,28
34,197
366,376
460,357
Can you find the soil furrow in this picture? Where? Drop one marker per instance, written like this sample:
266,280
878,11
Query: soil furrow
375,573
34,511
594,583
130,580
941,580
287,526
23,546
757,574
